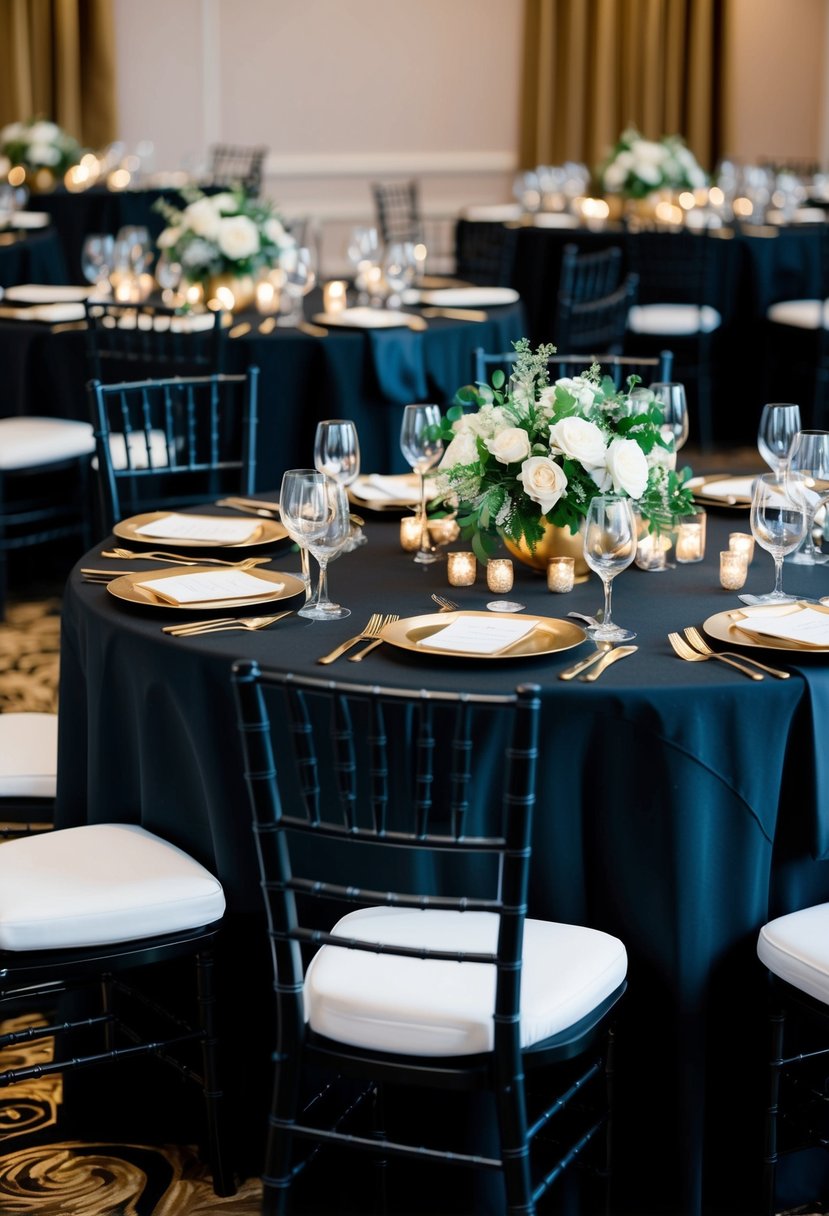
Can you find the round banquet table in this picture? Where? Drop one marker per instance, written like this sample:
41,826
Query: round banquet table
680,805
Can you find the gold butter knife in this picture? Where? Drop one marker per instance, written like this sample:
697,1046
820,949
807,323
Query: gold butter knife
618,652
570,673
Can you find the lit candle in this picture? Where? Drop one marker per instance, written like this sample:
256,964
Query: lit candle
461,569
499,574
690,541
443,531
733,570
742,542
410,533
561,573
334,296
267,297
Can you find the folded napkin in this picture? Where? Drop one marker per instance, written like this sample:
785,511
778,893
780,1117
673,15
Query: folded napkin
210,585
30,219
406,489
201,527
728,487
365,318
467,297
51,313
46,293
493,213
804,625
480,634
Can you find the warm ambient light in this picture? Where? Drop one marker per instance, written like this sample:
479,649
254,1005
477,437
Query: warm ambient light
716,197
743,206
687,200
16,175
461,569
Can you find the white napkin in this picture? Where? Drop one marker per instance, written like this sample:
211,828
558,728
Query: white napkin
406,488
365,318
728,487
51,313
30,219
469,297
493,212
789,622
46,293
480,634
201,527
210,585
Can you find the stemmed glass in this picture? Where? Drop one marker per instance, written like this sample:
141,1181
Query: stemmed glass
609,548
97,259
399,269
299,276
314,511
337,454
422,449
809,455
674,411
779,512
779,423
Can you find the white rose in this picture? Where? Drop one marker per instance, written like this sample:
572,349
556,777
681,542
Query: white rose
615,176
627,466
238,237
43,154
510,445
580,387
225,203
579,439
463,449
42,133
168,238
275,232
543,480
11,133
202,218
646,151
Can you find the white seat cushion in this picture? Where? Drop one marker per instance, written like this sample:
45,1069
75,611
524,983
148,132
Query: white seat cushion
803,314
676,319
100,884
136,442
26,442
796,947
423,1007
28,755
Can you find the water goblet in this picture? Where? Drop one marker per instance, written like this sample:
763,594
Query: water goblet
337,454
97,259
779,511
779,423
399,269
609,548
422,448
809,455
299,277
314,511
674,411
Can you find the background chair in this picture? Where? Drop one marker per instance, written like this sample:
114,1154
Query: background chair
589,276
144,341
163,444
650,369
441,982
485,254
233,165
597,324
44,486
87,908
797,360
397,210
28,772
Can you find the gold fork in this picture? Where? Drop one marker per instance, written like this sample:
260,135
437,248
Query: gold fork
687,652
107,576
182,559
374,625
388,619
444,604
699,643
222,624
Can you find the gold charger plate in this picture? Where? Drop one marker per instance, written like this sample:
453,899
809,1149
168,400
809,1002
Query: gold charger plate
268,531
126,588
741,502
722,626
549,636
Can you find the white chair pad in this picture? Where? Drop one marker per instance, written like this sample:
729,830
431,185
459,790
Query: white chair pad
802,314
98,885
28,755
423,1007
136,443
27,442
676,319
796,947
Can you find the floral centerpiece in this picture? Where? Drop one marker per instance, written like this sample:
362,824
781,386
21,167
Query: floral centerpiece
636,167
223,236
40,147
531,453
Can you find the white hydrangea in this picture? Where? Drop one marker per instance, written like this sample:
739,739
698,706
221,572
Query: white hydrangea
238,237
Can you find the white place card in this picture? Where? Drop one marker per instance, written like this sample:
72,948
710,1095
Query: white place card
201,527
210,585
806,626
378,488
480,634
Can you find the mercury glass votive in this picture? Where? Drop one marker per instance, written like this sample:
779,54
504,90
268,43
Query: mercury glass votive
334,296
561,573
461,569
499,575
410,533
690,540
733,570
742,542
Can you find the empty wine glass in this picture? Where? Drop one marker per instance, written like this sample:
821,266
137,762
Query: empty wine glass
337,454
422,448
299,276
778,523
779,423
133,252
314,511
609,548
399,269
674,411
97,259
363,252
809,455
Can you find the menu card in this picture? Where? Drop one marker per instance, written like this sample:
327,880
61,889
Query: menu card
480,634
210,585
793,623
202,527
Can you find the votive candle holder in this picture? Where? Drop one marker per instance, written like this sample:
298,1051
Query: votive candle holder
411,531
690,540
461,569
742,542
733,569
561,573
334,296
499,574
443,531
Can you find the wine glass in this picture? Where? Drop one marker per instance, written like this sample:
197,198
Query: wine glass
133,252
779,512
609,548
422,448
299,276
399,269
363,252
97,259
337,454
779,423
674,411
809,455
314,511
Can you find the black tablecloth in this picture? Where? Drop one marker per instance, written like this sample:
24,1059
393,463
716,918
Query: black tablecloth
680,805
31,257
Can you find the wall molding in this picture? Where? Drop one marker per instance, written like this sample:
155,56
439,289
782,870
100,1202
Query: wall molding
371,164
211,74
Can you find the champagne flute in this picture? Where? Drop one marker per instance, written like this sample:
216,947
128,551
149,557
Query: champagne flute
674,411
779,423
314,511
422,449
337,454
809,455
609,548
779,512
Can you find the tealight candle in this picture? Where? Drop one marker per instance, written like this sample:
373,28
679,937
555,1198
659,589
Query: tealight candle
461,569
733,570
410,533
561,573
334,295
443,531
499,574
742,542
690,541
267,297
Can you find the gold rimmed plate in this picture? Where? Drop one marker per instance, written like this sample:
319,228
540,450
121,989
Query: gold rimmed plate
739,500
549,636
127,587
267,532
724,627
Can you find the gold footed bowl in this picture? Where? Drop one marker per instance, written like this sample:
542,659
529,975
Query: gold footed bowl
241,287
556,542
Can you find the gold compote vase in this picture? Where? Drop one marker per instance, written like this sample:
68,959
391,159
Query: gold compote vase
556,542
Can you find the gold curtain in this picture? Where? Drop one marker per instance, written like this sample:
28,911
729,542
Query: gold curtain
60,64
594,67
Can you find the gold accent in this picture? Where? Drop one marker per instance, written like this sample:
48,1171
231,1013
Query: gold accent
126,587
724,627
549,635
268,532
556,542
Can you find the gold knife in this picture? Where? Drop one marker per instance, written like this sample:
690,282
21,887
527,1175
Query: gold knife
570,672
456,314
618,652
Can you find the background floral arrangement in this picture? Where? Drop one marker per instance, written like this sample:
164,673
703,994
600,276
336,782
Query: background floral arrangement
225,233
38,144
637,166
533,453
